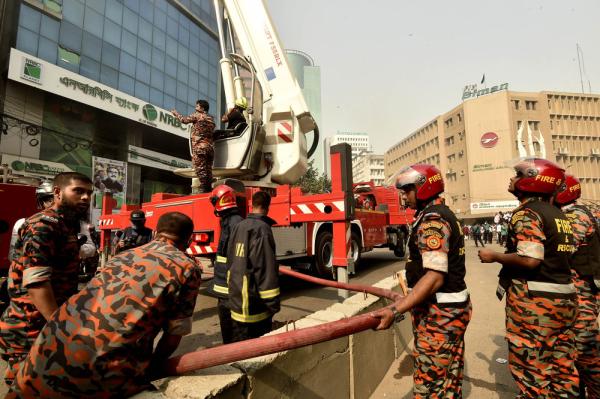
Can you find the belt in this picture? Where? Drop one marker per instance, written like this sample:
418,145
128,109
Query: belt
452,297
551,290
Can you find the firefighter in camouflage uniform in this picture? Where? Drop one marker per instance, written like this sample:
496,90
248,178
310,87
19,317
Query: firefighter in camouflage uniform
100,343
224,200
439,300
44,271
203,151
536,277
586,276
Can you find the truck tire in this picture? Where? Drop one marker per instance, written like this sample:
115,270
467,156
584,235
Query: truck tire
324,254
400,248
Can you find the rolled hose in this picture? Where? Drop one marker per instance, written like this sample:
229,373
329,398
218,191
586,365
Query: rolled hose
265,345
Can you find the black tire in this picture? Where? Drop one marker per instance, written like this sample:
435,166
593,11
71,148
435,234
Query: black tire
323,254
400,248
356,248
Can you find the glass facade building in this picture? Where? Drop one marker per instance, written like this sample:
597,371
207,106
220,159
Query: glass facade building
150,49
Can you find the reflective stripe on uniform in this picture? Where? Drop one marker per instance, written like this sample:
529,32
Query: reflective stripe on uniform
221,259
268,294
220,289
249,318
551,287
228,274
245,311
452,297
597,283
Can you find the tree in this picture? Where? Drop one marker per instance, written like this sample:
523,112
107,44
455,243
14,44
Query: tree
313,182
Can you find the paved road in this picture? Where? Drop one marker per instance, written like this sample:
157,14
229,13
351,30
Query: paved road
485,377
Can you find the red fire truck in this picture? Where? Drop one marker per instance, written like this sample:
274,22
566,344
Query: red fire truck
269,152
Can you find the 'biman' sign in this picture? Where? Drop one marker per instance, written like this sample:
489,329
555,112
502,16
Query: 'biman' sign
472,91
35,72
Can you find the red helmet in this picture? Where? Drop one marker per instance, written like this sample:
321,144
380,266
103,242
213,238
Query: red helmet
538,176
223,197
569,192
427,178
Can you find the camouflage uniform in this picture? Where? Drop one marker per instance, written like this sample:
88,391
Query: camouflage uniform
99,343
46,250
587,334
439,323
539,323
202,146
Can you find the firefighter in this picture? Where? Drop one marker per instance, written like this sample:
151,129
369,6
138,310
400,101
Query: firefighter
45,268
224,200
235,115
253,272
202,143
101,342
439,300
135,235
585,268
536,278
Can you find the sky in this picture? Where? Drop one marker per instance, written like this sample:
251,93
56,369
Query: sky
390,66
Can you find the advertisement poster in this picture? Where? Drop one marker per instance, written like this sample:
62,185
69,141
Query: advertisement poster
110,176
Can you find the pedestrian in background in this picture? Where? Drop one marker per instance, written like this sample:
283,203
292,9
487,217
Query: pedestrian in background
541,300
135,235
100,343
202,143
439,300
477,233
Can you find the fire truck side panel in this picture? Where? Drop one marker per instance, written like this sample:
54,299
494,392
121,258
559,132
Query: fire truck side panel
373,225
18,201
290,241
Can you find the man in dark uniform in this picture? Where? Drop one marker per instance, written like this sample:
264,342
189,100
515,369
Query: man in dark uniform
439,300
100,343
586,277
536,277
135,235
235,116
253,272
45,268
202,143
224,200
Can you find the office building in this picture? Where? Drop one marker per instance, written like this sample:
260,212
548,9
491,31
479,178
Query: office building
359,142
367,166
96,80
474,143
309,78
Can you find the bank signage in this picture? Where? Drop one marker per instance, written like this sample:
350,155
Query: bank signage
35,72
493,206
489,140
153,159
34,167
473,91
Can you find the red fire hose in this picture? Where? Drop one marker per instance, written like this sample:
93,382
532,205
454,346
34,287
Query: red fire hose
288,340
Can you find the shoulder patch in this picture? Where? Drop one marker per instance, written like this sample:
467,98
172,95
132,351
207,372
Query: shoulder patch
518,216
433,242
432,216
49,219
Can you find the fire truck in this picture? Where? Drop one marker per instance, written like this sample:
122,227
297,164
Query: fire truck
269,152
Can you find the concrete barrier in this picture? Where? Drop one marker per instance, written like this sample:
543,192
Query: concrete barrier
348,367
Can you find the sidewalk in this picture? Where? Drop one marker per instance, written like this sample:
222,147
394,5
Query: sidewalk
484,342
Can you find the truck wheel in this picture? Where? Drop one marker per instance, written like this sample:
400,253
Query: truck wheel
400,248
356,250
324,254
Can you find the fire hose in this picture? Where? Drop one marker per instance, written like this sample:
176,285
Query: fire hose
266,345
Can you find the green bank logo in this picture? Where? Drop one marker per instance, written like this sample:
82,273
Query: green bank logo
150,112
18,166
32,71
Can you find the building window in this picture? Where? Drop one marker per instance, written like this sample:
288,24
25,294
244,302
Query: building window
459,116
530,105
68,56
515,104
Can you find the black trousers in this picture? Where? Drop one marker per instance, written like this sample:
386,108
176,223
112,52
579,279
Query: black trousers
225,321
244,331
477,238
